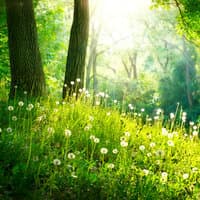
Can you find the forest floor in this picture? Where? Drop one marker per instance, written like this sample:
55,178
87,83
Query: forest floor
75,150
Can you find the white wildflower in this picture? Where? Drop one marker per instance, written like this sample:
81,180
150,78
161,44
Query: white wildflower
96,140
127,134
14,118
146,172
185,176
195,133
10,108
124,143
115,101
104,150
20,103
164,132
68,133
71,156
115,151
78,80
111,166
164,176
142,147
170,143
152,144
92,137
56,162
9,129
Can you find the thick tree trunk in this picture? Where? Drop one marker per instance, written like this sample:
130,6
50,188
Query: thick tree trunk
75,67
25,60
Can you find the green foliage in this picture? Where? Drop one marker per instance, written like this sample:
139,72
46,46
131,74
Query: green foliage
72,149
4,59
188,17
53,21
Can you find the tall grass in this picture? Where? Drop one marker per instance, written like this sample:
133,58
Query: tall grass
82,149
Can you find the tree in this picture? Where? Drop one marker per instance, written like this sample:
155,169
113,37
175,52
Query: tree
189,17
25,60
75,67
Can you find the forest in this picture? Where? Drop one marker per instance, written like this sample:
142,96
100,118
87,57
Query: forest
99,99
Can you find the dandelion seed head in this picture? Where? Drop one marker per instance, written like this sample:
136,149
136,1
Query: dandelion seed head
108,113
171,115
72,82
10,108
91,118
104,150
9,129
67,132
127,134
92,137
164,132
30,107
146,172
71,156
142,147
111,166
191,123
14,118
123,143
97,103
152,144
170,135
56,162
96,140
195,133
88,127
194,169
185,176
78,80
164,177
170,143
114,151
195,127
149,154
20,103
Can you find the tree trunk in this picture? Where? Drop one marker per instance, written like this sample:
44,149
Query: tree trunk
25,60
75,67
133,61
187,74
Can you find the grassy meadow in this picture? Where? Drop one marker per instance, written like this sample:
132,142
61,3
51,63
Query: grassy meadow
85,149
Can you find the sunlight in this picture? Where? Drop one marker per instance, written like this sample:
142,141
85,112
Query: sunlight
117,18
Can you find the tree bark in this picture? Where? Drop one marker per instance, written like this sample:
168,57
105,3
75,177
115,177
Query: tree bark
75,67
25,60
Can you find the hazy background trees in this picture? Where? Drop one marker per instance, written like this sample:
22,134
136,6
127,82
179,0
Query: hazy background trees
140,56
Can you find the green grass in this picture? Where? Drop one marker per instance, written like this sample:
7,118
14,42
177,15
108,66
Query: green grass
73,150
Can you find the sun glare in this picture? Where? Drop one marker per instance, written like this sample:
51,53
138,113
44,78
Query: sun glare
117,16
